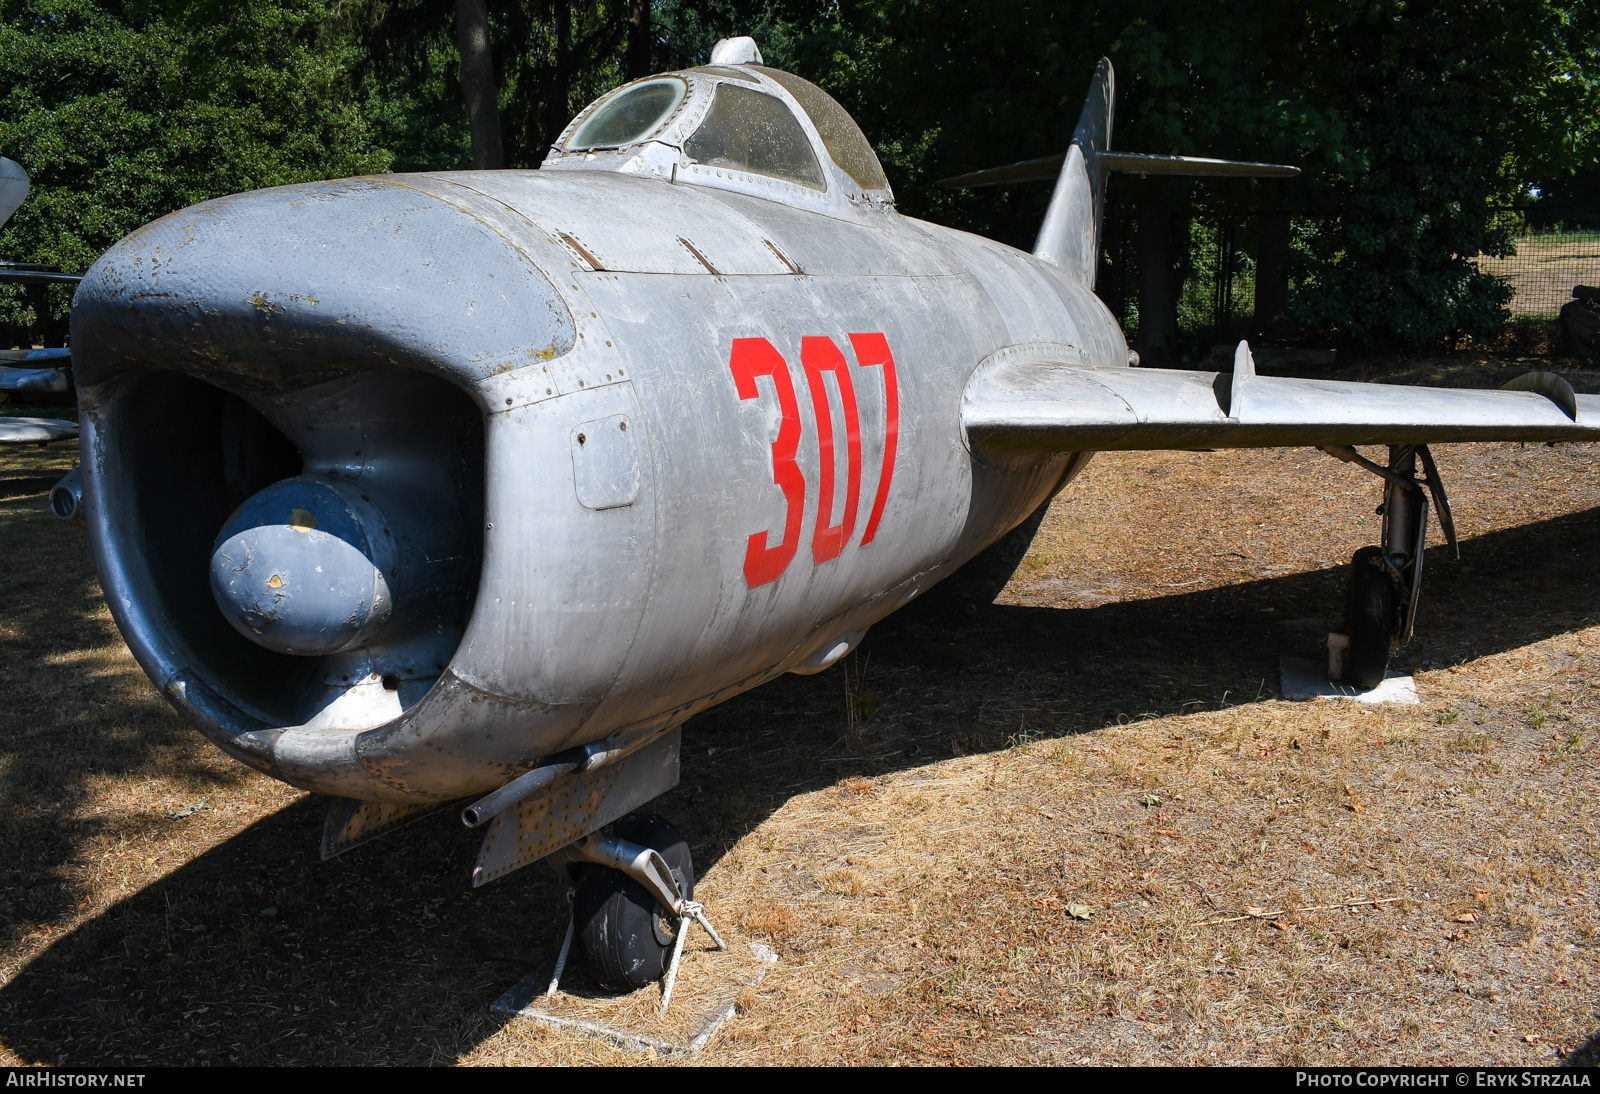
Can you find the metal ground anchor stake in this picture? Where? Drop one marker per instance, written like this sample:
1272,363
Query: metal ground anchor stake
566,947
691,910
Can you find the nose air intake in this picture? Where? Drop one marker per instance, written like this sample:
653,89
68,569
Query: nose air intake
285,455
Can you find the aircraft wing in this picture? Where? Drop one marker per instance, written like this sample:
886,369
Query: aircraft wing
1043,399
36,430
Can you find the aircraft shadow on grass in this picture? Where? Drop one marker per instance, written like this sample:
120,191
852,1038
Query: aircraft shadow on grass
386,954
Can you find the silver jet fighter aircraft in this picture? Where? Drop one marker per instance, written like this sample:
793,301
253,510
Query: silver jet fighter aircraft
416,489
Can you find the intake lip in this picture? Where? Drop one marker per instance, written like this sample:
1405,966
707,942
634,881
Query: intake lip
280,288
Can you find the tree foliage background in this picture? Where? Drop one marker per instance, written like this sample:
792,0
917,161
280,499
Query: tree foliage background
1420,125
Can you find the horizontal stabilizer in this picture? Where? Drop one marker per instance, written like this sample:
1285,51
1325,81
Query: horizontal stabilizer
1039,400
1129,163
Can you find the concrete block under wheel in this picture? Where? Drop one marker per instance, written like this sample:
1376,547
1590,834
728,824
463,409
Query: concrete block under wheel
707,995
1303,679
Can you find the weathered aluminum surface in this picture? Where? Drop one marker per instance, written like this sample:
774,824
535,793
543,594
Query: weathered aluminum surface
1070,234
37,357
351,823
736,51
35,430
829,408
644,864
529,783
574,806
605,463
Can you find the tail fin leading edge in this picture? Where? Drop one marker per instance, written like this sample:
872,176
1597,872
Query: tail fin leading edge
1070,234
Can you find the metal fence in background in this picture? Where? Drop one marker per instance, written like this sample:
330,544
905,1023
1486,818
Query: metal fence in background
1557,251
1551,260
1217,295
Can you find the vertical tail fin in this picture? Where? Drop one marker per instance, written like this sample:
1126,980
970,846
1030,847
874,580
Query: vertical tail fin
1070,234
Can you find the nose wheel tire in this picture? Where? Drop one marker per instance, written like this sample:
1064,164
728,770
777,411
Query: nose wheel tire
626,935
1370,617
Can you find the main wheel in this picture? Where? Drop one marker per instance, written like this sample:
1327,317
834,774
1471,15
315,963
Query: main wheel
627,935
1369,614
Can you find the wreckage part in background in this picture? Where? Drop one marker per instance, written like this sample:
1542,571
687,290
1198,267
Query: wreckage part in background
16,273
49,385
36,430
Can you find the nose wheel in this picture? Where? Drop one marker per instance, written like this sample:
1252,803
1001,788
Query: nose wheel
626,935
632,903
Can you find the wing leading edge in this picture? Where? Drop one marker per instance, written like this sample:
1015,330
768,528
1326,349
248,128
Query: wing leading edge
1042,399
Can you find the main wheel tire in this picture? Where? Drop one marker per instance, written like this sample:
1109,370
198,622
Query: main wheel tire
626,935
1369,612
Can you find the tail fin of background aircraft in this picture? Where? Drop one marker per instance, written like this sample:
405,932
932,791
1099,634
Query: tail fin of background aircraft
1070,234
13,187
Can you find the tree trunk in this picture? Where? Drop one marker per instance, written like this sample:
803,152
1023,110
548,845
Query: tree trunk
478,84
1272,272
559,110
638,65
1158,297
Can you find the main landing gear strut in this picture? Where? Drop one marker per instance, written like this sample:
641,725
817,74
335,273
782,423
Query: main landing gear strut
1385,581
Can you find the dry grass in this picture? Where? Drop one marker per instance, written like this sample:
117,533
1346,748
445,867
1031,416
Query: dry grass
1105,733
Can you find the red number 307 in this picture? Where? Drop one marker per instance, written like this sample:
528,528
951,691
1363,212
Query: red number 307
753,357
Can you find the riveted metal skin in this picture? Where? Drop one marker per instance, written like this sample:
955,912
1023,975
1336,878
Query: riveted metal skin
575,805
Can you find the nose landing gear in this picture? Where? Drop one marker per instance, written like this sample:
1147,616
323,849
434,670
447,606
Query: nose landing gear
625,931
633,903
1386,581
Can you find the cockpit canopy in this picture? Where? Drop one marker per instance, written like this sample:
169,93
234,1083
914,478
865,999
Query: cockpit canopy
739,127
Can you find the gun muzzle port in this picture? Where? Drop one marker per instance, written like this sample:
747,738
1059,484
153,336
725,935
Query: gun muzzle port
66,499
